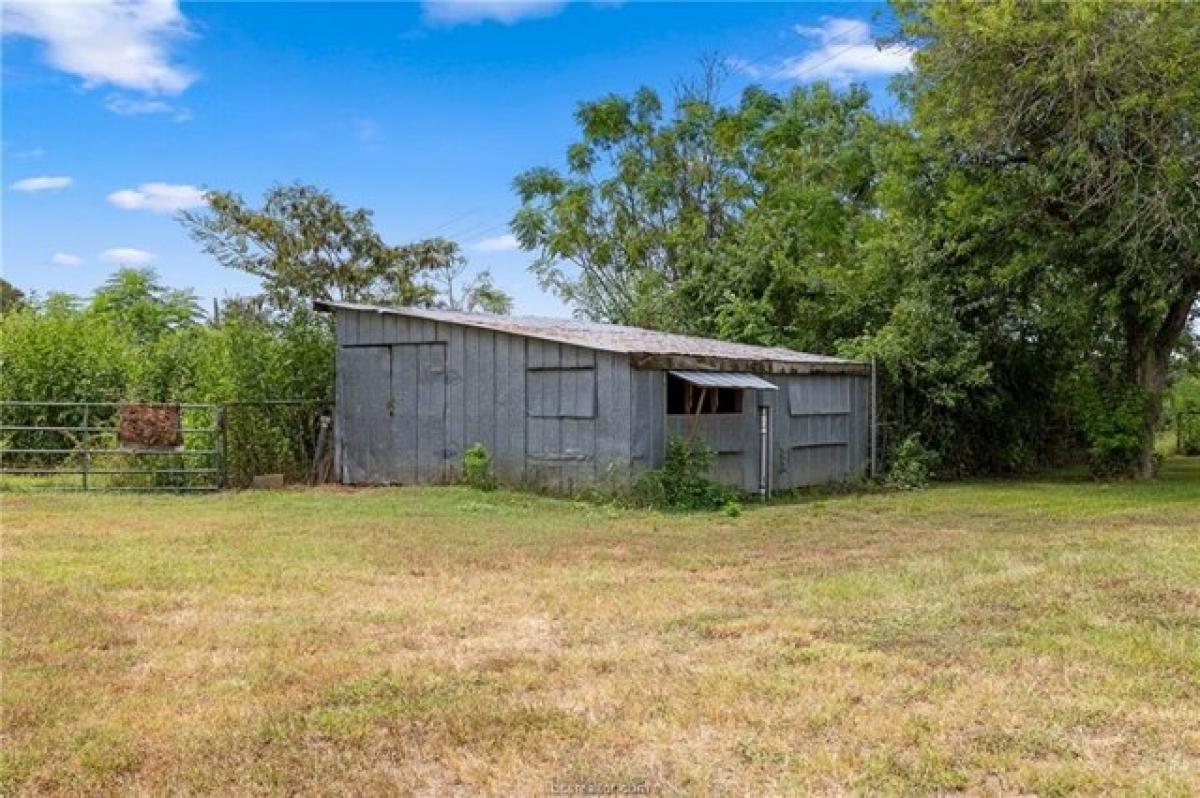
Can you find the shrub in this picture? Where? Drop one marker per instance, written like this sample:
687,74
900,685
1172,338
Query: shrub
1183,409
1114,435
1188,431
912,464
683,482
477,467
63,356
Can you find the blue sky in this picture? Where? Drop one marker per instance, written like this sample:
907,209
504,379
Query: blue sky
118,112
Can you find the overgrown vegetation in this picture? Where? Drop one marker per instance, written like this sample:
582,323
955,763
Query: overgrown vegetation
683,482
1183,410
911,465
1006,637
136,340
477,467
1020,248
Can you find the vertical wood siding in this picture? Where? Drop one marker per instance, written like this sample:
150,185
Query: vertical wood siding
820,429
734,438
552,414
557,415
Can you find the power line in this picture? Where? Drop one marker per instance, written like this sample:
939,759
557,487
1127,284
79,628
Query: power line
484,229
454,220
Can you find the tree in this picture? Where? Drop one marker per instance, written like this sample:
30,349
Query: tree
305,246
738,221
1091,109
482,294
443,262
642,202
136,299
11,297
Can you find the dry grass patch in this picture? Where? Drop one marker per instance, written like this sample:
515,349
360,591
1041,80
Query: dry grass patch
1038,636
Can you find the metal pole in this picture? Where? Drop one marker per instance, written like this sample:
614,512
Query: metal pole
322,436
222,455
874,420
87,447
764,452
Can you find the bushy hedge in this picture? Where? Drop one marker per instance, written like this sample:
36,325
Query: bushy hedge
59,352
68,356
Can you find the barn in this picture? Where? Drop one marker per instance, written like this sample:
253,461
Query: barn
563,404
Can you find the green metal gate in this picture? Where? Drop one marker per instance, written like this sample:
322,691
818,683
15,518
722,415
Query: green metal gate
76,446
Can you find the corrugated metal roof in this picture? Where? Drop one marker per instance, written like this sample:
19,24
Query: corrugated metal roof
606,337
725,379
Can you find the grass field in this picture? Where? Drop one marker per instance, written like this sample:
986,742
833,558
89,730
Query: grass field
1038,636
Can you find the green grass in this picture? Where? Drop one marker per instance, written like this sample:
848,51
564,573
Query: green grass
1039,636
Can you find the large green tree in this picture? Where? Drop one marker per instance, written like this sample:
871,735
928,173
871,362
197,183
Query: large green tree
646,194
1086,115
733,220
804,220
304,245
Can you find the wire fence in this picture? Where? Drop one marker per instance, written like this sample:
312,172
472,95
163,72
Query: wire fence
292,439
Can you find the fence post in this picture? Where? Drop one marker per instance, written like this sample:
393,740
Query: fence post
322,435
87,446
874,421
223,469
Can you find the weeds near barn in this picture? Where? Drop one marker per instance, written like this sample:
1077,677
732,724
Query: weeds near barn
1007,636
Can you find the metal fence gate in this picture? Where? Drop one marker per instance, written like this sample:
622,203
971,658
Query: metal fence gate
81,446
76,445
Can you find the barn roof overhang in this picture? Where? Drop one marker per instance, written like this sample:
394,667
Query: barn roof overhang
646,349
659,362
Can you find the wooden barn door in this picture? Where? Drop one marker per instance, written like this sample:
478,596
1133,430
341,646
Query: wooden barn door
417,411
364,387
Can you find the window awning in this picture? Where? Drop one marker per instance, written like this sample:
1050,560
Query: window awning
725,379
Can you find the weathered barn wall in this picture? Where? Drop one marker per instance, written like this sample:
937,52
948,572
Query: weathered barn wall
732,436
552,414
414,393
820,429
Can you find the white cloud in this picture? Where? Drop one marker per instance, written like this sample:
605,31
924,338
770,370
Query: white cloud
127,256
131,106
845,51
118,42
31,184
503,243
65,259
158,197
506,12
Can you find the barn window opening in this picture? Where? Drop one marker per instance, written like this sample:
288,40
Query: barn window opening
684,398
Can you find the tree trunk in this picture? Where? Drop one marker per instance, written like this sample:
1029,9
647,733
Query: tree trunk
1149,356
1152,379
